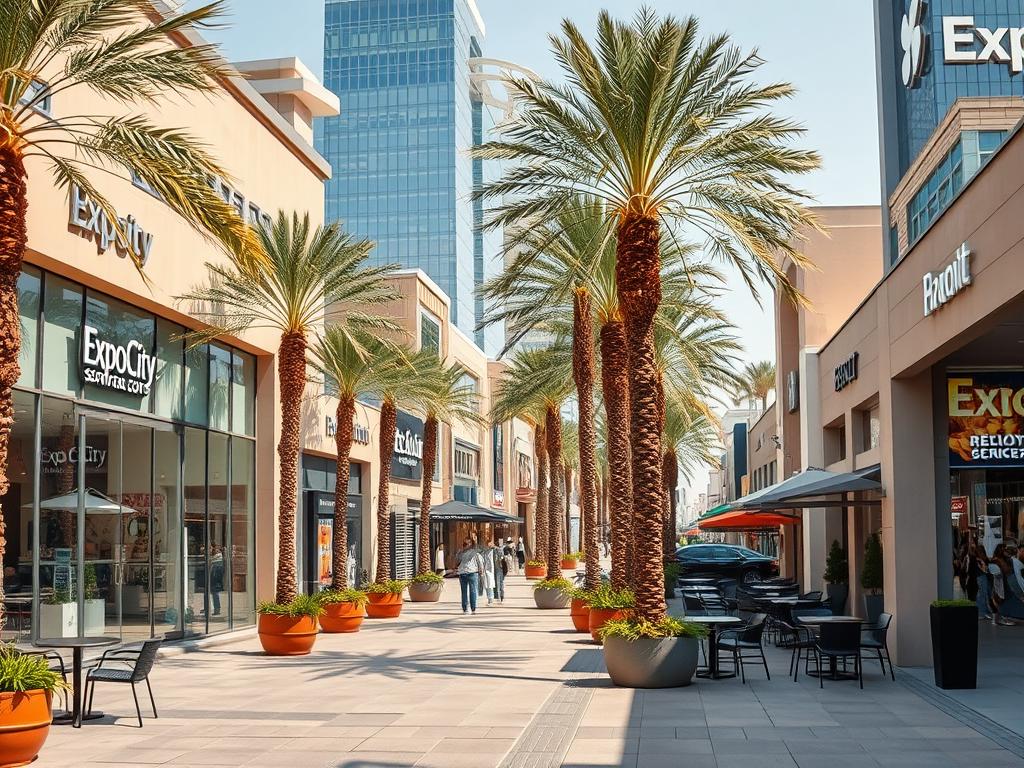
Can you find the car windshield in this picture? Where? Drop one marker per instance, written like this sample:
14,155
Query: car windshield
749,553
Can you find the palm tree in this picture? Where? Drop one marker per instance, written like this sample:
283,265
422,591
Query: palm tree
352,367
447,400
661,127
756,382
689,440
51,48
570,470
312,276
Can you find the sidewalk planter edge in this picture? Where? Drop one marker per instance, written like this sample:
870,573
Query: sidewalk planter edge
955,646
24,725
384,605
664,662
420,592
579,612
342,617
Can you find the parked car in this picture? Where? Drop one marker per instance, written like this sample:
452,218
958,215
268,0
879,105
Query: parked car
728,561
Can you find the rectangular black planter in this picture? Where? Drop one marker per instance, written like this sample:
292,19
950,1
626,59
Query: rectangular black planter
955,646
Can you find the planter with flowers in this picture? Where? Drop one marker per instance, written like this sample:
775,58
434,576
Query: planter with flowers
536,569
27,686
571,560
343,610
607,604
289,629
385,599
579,609
552,593
648,654
426,588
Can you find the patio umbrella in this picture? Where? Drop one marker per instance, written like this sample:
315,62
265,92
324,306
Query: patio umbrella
94,502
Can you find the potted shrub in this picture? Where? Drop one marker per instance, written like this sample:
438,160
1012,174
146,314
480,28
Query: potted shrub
837,577
426,588
536,569
673,571
955,643
385,599
607,604
579,609
289,629
58,615
645,654
871,579
571,560
552,593
26,705
343,610
133,593
95,606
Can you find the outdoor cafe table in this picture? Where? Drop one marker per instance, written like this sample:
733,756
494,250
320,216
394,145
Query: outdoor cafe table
712,623
77,646
818,620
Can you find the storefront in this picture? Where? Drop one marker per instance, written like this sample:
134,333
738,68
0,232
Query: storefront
454,522
318,483
141,450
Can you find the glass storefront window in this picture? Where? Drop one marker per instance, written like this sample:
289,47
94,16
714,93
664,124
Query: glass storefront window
62,308
170,375
197,375
218,535
243,394
194,494
166,534
243,533
120,325
30,285
18,515
220,387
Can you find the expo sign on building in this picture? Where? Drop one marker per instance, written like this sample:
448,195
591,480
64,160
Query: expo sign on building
986,419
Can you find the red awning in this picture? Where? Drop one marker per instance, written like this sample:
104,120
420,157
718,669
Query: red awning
740,520
692,532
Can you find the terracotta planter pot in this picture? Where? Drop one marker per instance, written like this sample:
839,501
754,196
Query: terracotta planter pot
536,571
550,598
569,565
342,617
425,592
24,725
666,662
384,605
287,635
580,613
599,616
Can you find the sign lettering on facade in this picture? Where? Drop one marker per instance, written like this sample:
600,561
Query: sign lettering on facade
986,419
127,368
846,372
940,287
499,466
360,433
87,216
407,454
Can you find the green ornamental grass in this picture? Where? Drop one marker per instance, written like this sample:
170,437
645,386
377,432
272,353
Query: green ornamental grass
632,629
953,604
332,597
428,578
20,672
386,587
605,598
302,605
556,582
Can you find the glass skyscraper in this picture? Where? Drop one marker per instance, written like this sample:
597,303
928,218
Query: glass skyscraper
410,110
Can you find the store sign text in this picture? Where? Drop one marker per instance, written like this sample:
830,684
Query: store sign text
360,433
87,215
940,287
127,368
52,460
960,36
408,448
986,419
846,372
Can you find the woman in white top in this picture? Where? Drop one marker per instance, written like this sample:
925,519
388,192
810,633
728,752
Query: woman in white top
488,574
439,560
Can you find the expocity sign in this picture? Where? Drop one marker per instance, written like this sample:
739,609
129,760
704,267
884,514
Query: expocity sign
127,368
87,216
940,287
963,42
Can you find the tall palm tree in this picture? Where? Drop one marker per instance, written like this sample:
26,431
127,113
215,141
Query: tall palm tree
48,49
756,382
662,127
689,440
447,400
353,364
311,276
571,457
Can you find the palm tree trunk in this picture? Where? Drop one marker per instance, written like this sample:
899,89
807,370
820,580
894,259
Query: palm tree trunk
291,373
567,520
339,540
13,241
615,386
388,423
583,376
541,512
638,276
668,527
429,460
672,474
665,536
553,430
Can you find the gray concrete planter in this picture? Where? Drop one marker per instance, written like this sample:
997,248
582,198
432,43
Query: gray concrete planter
551,598
420,592
666,662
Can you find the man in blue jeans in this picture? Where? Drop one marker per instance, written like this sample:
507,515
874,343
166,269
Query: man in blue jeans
470,565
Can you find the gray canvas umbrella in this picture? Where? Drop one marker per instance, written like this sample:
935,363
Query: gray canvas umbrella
806,490
94,502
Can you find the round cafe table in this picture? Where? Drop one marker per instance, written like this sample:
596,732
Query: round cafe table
77,646
811,621
713,623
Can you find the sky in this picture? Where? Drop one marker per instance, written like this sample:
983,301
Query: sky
825,48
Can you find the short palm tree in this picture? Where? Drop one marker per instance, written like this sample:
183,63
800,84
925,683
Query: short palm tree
663,128
447,399
48,49
353,364
756,382
311,276
689,439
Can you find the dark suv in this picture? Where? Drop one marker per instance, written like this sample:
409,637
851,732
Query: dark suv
728,561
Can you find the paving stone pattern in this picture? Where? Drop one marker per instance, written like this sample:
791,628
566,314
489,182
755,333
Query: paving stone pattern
511,686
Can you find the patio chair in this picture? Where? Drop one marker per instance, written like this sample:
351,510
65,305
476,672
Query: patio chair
873,639
839,641
139,662
815,596
716,606
746,644
798,639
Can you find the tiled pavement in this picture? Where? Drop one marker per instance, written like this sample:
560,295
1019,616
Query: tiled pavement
511,686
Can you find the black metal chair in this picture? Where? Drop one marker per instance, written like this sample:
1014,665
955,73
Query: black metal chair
815,596
798,639
716,605
839,640
139,662
874,639
746,644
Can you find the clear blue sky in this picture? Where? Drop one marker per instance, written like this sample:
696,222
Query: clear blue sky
824,47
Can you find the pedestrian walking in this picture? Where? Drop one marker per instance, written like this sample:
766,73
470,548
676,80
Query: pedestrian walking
501,568
488,572
439,560
470,566
521,553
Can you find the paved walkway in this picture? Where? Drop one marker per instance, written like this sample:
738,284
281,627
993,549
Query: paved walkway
510,687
